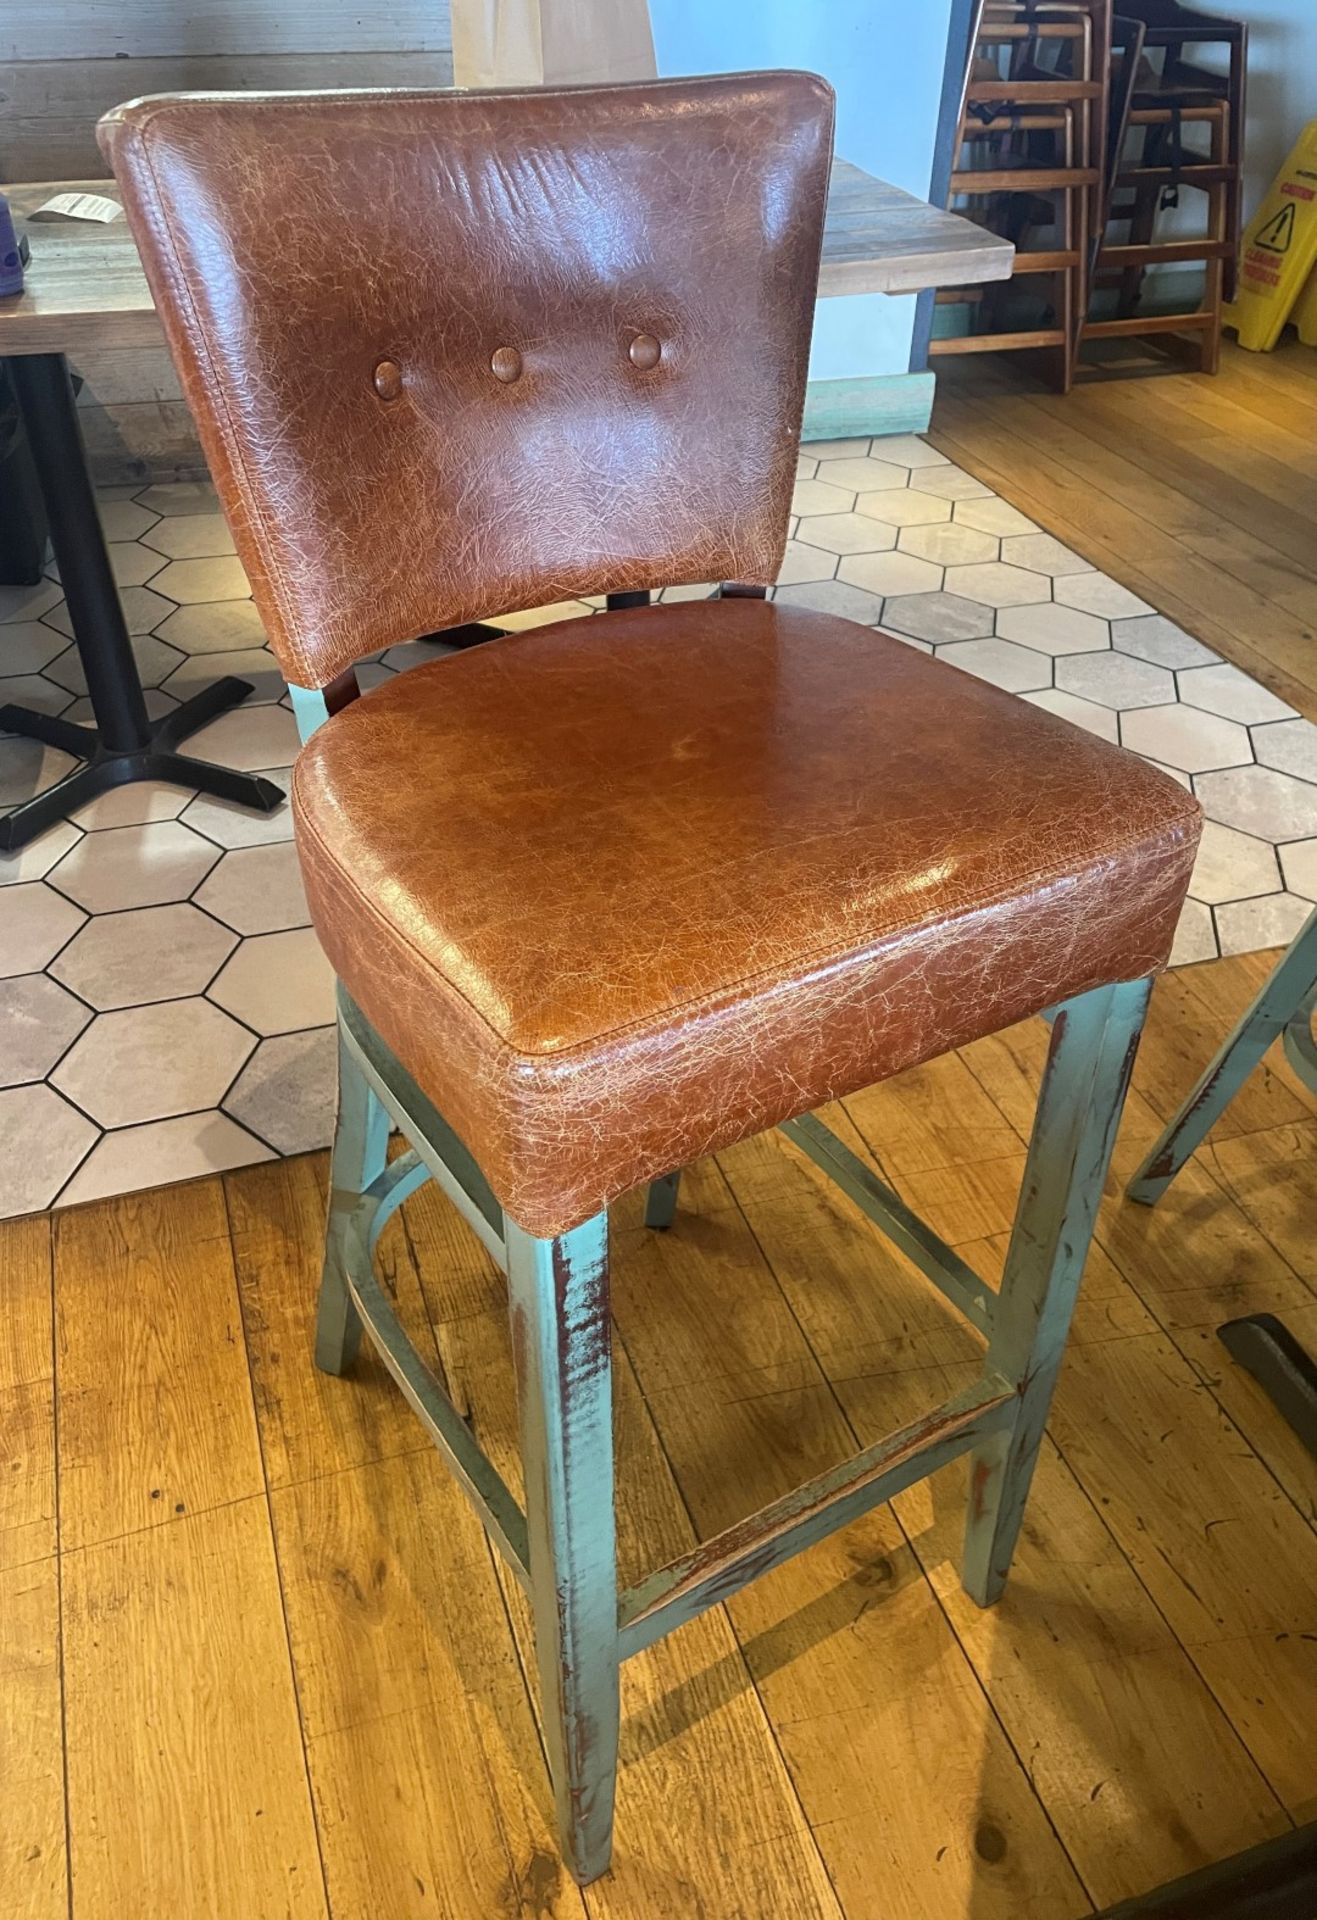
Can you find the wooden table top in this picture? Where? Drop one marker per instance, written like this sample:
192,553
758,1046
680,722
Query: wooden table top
86,289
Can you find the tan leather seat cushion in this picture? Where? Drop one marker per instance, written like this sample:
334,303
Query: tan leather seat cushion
623,890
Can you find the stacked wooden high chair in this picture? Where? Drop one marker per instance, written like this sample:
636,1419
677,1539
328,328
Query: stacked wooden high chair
1079,128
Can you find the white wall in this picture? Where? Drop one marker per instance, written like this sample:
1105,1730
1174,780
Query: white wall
885,58
1282,84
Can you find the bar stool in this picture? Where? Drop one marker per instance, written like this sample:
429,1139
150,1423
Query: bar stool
608,895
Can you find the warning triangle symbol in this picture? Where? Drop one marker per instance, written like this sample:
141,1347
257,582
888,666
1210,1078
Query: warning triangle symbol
1278,232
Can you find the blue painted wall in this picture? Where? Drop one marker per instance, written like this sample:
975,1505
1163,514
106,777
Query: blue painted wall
885,58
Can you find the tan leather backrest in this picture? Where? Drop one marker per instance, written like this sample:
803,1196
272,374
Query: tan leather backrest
456,354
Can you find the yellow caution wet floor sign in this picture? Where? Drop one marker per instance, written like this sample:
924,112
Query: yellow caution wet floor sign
1280,250
1304,313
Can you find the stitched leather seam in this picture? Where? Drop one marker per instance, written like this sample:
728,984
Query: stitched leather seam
691,1009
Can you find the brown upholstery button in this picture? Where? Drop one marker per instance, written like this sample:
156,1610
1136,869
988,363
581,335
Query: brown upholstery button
644,351
505,365
387,379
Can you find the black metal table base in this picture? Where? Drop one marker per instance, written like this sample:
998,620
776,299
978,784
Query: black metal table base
104,768
125,744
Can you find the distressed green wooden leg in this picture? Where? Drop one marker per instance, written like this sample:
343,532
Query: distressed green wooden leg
558,1295
1288,986
361,1147
1094,1040
661,1201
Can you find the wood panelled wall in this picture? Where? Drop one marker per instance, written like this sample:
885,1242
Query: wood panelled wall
65,62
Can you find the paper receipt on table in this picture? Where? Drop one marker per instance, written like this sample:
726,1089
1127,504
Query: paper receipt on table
79,206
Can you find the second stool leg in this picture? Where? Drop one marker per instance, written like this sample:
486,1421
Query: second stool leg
1094,1039
361,1150
558,1298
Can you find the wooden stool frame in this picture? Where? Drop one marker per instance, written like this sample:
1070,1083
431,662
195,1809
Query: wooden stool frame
562,1547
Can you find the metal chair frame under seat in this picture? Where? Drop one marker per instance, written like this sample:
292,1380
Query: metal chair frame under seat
562,1547
1284,1007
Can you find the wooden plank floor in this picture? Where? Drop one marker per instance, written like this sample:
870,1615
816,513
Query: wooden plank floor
1199,494
258,1658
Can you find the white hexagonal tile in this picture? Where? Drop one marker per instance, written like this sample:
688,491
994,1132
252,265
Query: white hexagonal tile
1232,866
259,669
27,646
161,1153
902,508
1018,669
38,1022
1053,629
815,496
668,596
1080,713
149,1063
28,603
135,866
1243,926
1183,737
1258,800
948,545
847,533
1114,680
522,620
805,467
1160,642
1097,593
1180,778
863,476
35,922
35,860
134,805
148,954
278,983
950,483
801,563
155,662
143,610
1288,745
190,536
131,563
852,448
230,825
938,617
1042,554
888,573
1195,937
123,519
1299,865
834,596
219,626
286,1092
191,581
153,699
993,516
998,585
1227,691
248,738
907,450
42,1139
179,496
27,768
257,890
35,691
152,1062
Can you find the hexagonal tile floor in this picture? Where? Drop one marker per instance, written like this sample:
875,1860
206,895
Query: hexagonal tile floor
163,1003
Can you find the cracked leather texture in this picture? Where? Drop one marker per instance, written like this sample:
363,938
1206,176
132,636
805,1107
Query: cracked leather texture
626,889
339,276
